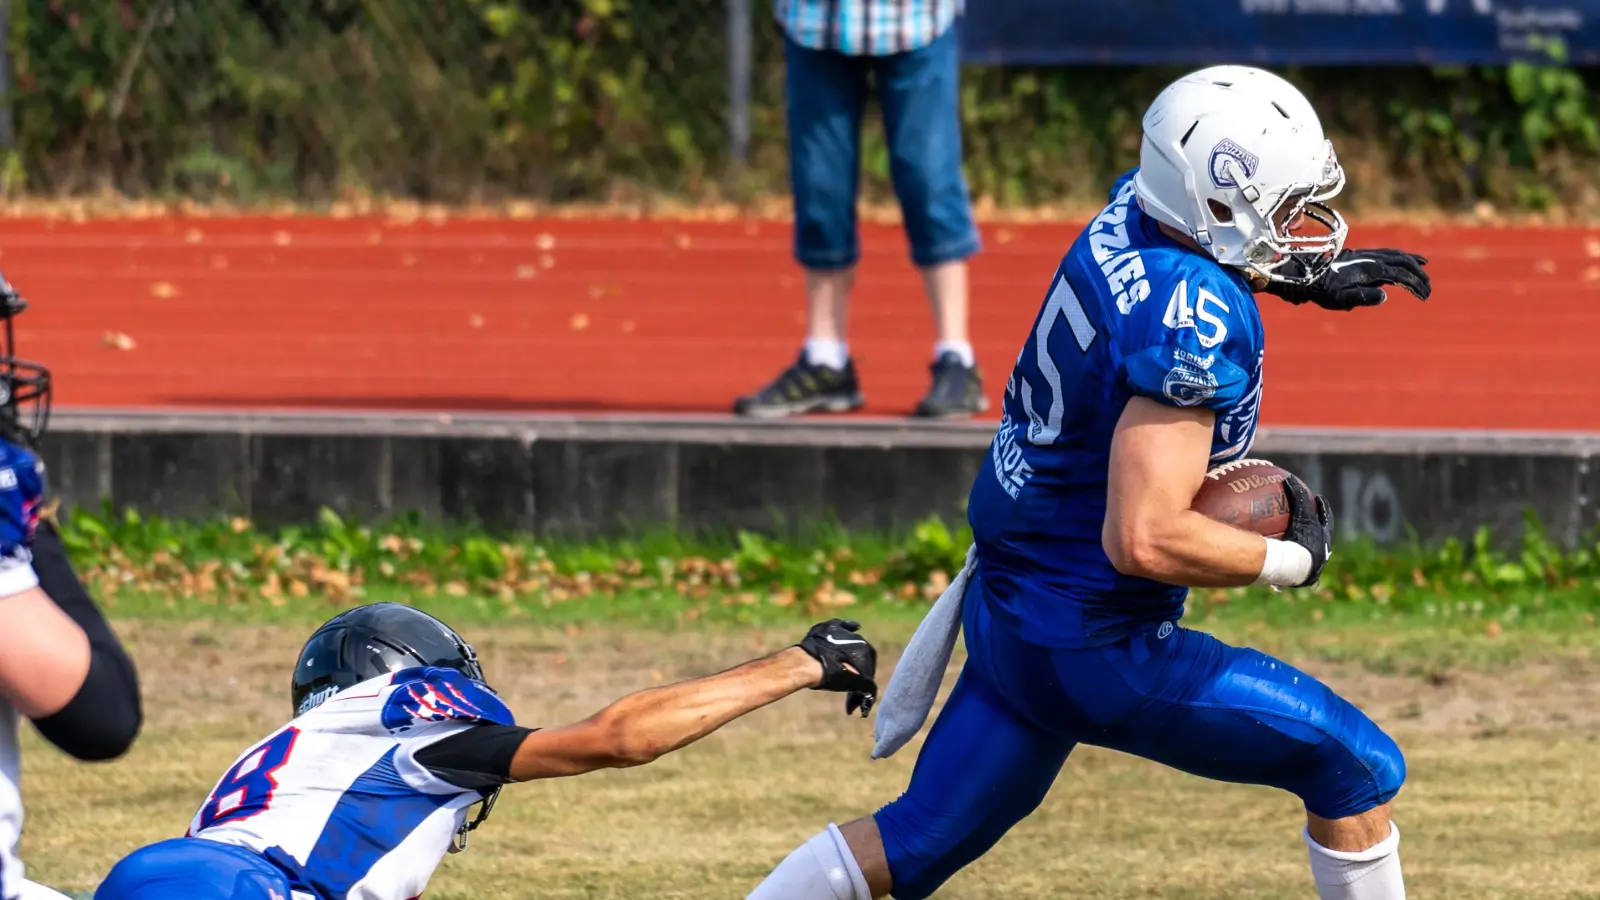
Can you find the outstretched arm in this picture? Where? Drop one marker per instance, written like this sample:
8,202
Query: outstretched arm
646,725
1357,278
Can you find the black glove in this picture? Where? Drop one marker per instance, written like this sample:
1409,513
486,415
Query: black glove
1310,526
836,644
1356,278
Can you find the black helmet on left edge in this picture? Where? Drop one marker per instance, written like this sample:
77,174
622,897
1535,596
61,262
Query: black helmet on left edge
24,386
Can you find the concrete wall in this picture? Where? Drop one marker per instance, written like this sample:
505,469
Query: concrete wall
603,475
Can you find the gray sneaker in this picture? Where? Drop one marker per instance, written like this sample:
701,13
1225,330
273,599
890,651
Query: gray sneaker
957,390
804,388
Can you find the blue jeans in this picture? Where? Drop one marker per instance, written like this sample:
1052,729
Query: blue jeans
1169,694
193,869
919,93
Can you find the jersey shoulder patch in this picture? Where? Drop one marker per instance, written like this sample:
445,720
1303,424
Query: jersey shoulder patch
427,696
1194,341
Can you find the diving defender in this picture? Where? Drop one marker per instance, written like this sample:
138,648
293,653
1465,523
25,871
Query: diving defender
396,736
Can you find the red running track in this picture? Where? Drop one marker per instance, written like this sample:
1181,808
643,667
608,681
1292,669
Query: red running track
652,316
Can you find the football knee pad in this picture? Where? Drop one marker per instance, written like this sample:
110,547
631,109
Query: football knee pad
1349,787
1382,758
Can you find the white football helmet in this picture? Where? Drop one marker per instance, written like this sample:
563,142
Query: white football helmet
1233,156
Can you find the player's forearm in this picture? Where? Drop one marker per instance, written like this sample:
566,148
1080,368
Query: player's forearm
1185,548
657,721
644,725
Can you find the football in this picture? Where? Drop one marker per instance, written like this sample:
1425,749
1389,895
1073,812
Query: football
1248,494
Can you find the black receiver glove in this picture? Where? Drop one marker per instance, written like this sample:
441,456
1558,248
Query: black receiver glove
836,644
1310,526
1356,278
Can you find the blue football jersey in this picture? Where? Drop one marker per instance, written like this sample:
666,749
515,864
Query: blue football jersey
1128,312
21,495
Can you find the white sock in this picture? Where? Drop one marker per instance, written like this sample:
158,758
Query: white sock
822,868
962,349
832,354
28,890
1370,874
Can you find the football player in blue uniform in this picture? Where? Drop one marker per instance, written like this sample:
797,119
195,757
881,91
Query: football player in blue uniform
396,736
1141,373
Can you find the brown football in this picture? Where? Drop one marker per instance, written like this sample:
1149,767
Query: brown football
1248,494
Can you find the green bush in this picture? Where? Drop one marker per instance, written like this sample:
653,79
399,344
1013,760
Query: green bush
232,561
1522,136
255,100
251,99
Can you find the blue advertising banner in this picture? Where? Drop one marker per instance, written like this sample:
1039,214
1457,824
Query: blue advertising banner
1279,32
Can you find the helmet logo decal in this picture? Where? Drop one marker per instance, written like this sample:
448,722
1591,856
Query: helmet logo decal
317,697
1227,157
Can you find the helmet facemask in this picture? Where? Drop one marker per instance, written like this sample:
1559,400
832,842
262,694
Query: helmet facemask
24,386
1284,249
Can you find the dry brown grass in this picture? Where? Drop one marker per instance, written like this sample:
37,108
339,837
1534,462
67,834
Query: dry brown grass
1503,799
1379,208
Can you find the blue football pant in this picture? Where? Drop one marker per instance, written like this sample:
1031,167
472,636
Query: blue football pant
193,869
1175,696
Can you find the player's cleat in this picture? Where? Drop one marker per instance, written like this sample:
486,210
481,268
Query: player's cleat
804,388
957,390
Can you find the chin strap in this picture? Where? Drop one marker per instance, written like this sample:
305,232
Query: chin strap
458,843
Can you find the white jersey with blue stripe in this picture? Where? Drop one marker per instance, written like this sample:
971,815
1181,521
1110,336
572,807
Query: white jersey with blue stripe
336,799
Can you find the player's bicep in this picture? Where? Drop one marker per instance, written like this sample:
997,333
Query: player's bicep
1159,456
43,653
584,746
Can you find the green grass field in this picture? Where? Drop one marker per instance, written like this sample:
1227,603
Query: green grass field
1500,729
1483,666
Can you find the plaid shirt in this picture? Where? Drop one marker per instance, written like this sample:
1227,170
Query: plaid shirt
867,27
